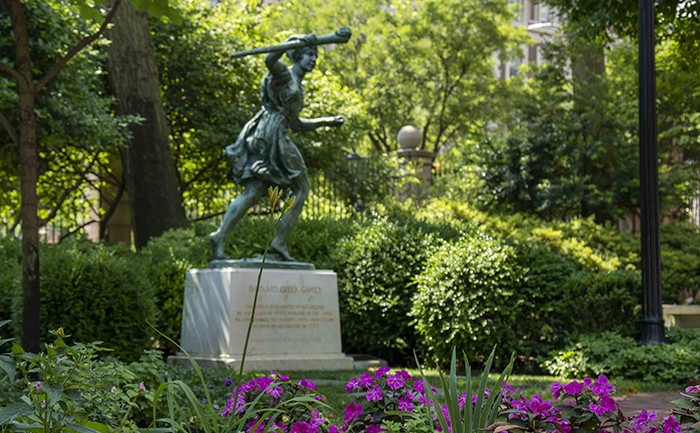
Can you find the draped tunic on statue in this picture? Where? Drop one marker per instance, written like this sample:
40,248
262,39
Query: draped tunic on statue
263,149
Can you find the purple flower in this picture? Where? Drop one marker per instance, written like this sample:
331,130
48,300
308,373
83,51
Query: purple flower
573,388
508,389
404,374
381,371
395,381
316,419
671,425
373,428
462,400
419,386
251,424
303,427
556,388
405,404
693,389
539,406
228,382
263,382
307,384
238,406
374,393
39,385
142,387
366,380
275,391
353,385
352,411
642,419
332,429
601,386
281,377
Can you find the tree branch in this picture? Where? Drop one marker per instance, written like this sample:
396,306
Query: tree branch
10,71
77,48
10,130
200,173
64,196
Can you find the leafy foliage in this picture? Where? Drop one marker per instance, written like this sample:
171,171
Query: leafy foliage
377,265
99,293
437,54
465,297
570,150
620,357
67,388
76,128
167,259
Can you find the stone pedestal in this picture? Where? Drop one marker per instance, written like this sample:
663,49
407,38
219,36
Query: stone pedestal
296,326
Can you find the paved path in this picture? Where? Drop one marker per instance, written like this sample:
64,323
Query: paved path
632,404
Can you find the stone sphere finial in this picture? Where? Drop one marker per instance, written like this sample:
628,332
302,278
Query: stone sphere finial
409,137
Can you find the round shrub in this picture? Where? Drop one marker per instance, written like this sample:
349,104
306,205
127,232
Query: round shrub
376,271
97,292
465,296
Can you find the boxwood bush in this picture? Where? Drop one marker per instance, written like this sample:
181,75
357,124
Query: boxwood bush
601,301
538,296
376,270
466,297
97,292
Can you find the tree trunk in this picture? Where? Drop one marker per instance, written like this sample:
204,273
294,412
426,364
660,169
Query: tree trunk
151,174
29,173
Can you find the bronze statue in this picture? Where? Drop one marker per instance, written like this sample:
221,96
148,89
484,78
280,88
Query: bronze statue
264,154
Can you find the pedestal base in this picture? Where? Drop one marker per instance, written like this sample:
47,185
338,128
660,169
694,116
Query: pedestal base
296,324
267,363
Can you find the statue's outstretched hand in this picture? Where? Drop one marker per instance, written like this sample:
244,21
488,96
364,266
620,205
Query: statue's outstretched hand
337,121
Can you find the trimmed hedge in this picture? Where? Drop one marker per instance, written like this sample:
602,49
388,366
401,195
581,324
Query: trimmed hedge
98,292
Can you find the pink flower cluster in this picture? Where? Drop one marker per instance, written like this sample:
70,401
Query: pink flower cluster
580,406
379,393
271,392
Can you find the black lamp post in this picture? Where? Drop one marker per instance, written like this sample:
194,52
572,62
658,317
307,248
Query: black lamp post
653,323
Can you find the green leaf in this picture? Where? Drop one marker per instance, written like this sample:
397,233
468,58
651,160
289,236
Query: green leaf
85,429
54,391
684,403
17,349
14,410
7,364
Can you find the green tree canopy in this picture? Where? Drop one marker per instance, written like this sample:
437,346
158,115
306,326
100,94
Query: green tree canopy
428,63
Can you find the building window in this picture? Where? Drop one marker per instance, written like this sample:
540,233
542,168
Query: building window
533,12
532,54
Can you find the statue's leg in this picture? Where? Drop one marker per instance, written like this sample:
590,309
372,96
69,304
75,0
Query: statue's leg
253,191
300,190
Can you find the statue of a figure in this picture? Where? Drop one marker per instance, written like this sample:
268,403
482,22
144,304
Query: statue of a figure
264,154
